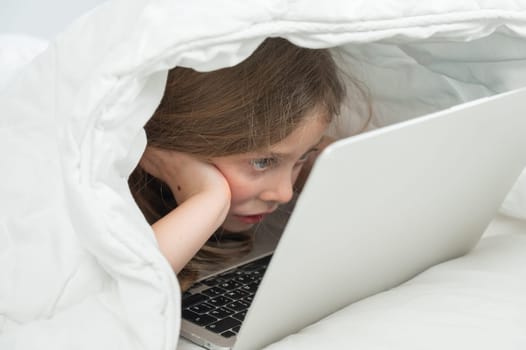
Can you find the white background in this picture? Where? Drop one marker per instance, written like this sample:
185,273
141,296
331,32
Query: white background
41,18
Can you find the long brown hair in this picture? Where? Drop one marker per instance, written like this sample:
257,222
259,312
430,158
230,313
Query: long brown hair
244,108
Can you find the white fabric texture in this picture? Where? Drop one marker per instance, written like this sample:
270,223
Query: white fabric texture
17,50
79,265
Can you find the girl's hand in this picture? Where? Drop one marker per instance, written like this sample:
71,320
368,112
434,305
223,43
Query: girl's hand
185,175
203,201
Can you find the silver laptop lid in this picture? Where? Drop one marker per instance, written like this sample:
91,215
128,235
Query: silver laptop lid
383,206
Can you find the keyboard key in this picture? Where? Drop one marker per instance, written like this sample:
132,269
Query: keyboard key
228,334
200,320
238,306
221,312
256,275
250,288
213,292
236,294
202,308
240,315
255,278
193,299
219,301
223,325
261,269
242,279
230,285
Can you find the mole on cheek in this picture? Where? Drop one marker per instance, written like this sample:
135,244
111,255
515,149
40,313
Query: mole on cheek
178,188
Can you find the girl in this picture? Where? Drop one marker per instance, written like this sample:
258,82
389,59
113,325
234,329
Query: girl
225,149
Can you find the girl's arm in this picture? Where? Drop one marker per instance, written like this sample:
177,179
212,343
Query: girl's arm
183,231
203,198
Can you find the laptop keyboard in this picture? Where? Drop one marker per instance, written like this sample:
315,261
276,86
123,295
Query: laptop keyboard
220,303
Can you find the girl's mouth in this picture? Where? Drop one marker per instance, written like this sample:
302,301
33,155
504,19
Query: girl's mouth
250,219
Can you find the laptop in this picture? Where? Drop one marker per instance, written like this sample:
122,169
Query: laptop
377,209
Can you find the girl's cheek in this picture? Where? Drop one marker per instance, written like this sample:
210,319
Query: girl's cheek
242,192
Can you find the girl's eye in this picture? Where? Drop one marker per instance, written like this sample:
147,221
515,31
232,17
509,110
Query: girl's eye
263,163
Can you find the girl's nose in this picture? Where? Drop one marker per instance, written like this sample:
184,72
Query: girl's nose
279,191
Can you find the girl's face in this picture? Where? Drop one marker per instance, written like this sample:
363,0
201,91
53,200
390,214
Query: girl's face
261,181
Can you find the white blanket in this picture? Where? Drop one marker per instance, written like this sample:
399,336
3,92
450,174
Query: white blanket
79,267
